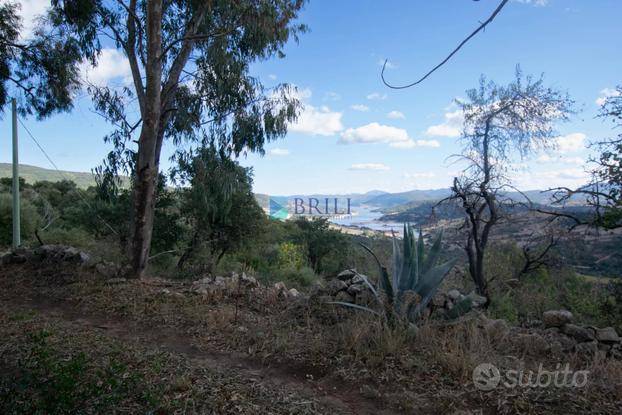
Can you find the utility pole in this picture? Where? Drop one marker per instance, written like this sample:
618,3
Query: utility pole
16,212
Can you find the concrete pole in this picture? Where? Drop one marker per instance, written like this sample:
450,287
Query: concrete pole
16,212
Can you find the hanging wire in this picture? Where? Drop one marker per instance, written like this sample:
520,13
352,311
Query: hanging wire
80,195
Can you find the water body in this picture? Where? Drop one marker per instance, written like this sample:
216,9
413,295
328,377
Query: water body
363,216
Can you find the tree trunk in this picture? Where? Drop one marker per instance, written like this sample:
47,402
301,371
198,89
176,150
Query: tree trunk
146,175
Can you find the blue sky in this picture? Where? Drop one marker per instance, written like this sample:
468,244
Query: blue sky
355,134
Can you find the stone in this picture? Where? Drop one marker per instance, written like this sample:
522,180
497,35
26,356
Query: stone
556,318
249,281
294,293
587,348
219,281
335,286
580,334
607,335
344,297
279,287
346,274
438,300
355,289
476,299
531,343
454,295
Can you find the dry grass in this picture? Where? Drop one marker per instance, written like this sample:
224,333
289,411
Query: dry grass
429,373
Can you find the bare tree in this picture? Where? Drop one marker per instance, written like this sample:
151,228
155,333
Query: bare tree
501,124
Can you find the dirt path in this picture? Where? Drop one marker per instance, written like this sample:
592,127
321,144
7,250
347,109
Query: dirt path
339,396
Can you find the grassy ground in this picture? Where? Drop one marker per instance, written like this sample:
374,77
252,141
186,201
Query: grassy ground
152,345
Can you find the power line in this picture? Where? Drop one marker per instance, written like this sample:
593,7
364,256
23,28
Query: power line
86,202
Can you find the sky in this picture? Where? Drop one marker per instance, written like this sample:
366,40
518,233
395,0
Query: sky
357,135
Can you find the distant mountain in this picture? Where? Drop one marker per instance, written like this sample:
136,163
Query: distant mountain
36,174
388,200
32,174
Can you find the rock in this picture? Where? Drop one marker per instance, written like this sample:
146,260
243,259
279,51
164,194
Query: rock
219,282
279,287
533,324
556,318
294,293
476,299
355,289
607,335
344,297
335,286
587,348
578,333
454,295
346,274
317,290
249,281
531,343
13,258
438,300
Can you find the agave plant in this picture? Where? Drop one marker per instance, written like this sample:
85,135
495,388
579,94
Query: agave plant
415,278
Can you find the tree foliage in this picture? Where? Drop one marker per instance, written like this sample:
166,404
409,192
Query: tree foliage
219,205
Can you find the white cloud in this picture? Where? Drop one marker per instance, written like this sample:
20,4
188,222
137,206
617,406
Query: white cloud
374,133
369,166
606,93
571,143
451,127
272,76
30,11
316,121
396,115
111,64
377,96
279,152
360,107
538,3
418,143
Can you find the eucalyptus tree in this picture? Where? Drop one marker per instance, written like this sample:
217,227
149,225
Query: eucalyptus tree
502,125
39,69
190,83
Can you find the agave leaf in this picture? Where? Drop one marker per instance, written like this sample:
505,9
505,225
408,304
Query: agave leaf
397,261
371,287
435,250
358,307
430,282
383,280
420,253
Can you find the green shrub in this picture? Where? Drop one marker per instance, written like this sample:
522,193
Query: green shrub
29,219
